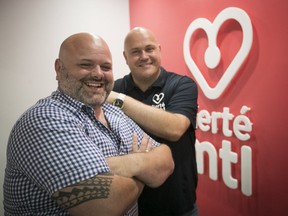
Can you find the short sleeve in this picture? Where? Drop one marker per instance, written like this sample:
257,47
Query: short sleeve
54,151
183,98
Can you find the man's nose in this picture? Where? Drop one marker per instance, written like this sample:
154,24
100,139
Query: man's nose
97,71
144,54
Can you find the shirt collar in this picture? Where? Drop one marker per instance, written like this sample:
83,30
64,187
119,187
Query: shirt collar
159,83
63,98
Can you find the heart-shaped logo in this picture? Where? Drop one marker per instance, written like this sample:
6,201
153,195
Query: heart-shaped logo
212,54
157,98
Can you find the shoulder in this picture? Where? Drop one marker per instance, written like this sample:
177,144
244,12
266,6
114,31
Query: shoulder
118,82
50,107
49,111
174,80
122,83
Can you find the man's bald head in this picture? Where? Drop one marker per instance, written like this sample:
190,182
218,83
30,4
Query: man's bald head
77,43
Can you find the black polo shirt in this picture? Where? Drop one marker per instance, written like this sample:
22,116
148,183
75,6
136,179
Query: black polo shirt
177,94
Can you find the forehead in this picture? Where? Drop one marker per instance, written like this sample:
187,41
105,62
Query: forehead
140,40
94,54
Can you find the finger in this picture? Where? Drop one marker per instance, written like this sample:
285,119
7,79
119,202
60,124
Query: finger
149,145
144,143
134,143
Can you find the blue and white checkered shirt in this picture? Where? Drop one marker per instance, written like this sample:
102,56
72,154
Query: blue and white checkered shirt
56,143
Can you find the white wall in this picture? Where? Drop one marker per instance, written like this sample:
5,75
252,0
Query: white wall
30,36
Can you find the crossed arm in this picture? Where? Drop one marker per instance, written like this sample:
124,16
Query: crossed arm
104,195
152,167
114,193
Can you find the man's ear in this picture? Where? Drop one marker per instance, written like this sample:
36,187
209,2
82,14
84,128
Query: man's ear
124,54
57,67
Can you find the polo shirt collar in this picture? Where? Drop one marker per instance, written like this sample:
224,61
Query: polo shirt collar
159,83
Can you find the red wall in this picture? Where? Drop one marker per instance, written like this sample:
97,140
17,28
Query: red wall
260,84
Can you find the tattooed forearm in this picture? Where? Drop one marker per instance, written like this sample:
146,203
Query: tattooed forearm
97,187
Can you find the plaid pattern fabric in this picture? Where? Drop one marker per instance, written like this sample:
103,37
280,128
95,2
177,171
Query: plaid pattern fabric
56,143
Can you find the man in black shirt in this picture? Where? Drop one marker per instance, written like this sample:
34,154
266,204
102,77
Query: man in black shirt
165,105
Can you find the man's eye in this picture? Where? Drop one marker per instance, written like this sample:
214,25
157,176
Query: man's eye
84,65
150,49
135,52
106,68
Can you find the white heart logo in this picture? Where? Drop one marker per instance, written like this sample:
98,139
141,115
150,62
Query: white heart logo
157,98
213,55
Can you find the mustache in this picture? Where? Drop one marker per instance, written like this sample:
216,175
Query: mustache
97,79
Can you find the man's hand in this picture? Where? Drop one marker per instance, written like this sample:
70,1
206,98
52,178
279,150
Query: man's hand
152,166
145,146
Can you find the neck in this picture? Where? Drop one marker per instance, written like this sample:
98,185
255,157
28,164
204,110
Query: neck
144,84
99,115
98,112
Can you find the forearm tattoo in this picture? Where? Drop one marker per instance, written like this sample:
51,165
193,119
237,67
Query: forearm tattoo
97,187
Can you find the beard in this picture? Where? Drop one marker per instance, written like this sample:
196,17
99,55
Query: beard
78,90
